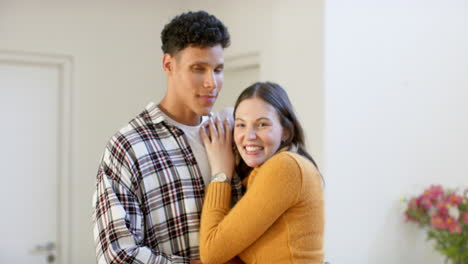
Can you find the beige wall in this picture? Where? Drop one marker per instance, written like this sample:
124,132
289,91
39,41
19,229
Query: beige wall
116,54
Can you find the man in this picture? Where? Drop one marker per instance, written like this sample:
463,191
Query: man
151,179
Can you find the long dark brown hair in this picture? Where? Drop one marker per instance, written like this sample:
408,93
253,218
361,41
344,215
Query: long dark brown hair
276,96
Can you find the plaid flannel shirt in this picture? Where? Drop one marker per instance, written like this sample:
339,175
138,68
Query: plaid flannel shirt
149,195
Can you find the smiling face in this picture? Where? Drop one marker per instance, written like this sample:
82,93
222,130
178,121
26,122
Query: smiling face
195,78
257,131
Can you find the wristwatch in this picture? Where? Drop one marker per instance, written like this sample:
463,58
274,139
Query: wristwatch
220,177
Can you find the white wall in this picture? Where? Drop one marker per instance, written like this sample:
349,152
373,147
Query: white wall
115,47
396,87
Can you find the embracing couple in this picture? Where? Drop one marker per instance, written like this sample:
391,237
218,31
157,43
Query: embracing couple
180,184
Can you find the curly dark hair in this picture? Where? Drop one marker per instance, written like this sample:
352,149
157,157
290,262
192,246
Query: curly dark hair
198,29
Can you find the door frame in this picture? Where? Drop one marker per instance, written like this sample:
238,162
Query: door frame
242,61
64,63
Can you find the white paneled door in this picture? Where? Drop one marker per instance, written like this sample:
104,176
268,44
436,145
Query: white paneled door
29,162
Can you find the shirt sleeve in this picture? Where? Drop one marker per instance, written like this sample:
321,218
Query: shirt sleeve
225,234
237,191
118,219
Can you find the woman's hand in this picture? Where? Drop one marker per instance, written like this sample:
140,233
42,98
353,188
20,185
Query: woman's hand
218,146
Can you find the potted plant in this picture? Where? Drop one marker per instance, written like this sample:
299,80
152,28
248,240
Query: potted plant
443,214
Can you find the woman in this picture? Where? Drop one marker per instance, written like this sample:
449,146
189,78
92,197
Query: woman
280,218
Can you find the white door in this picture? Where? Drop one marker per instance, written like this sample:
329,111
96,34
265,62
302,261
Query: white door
29,167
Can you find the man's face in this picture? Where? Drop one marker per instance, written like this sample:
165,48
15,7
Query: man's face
196,78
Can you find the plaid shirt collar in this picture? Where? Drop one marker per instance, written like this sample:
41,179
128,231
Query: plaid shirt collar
156,114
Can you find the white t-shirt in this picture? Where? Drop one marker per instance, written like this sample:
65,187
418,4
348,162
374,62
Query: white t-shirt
192,134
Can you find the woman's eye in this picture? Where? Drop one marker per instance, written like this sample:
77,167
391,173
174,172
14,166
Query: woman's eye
240,125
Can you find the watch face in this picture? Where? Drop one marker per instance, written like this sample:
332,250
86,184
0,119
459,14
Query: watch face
220,177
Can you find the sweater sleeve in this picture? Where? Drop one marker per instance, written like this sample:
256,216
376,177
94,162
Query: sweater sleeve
223,233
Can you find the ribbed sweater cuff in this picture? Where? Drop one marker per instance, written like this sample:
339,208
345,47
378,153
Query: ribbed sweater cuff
218,195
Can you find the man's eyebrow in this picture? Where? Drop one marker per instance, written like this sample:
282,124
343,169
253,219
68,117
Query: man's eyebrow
200,62
206,63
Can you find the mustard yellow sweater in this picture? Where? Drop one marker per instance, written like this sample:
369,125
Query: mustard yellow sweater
280,219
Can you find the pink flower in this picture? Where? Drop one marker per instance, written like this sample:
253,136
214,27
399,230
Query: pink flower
438,222
434,192
455,229
426,203
453,225
442,207
454,199
449,221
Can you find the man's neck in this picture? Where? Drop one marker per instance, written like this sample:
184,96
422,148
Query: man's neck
180,115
